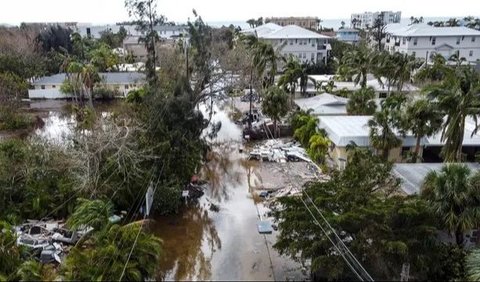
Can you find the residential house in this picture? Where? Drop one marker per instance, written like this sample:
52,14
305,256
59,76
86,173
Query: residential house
367,19
323,104
346,130
48,87
306,45
424,41
348,35
312,23
412,176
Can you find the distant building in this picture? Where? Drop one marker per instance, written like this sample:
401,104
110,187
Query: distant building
366,20
132,44
348,35
305,22
423,41
306,45
48,87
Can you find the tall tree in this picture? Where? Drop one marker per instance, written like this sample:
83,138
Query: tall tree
362,102
275,105
145,14
292,72
454,196
385,124
359,63
378,31
458,97
423,119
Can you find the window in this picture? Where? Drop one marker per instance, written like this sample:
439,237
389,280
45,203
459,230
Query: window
458,40
126,87
470,53
434,40
312,56
473,38
404,40
43,86
304,55
54,86
415,41
382,95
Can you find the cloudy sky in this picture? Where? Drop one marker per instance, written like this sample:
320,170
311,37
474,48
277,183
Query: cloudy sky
109,11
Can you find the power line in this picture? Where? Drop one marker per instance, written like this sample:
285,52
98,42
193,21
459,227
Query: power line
331,241
348,252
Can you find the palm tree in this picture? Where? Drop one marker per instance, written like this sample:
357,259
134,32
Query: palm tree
275,105
292,72
318,147
89,78
306,130
454,196
436,72
358,64
265,61
361,102
472,265
405,65
384,122
458,97
93,213
423,120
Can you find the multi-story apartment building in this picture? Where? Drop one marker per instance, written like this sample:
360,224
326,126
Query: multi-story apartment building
423,41
305,22
367,19
306,45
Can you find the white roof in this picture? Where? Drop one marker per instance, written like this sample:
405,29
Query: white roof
263,30
343,130
375,84
413,175
324,104
274,31
415,30
468,139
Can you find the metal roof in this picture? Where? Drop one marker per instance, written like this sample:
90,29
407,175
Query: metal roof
416,30
324,104
274,31
342,130
107,77
469,140
413,175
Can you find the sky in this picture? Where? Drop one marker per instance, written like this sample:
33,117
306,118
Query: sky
111,11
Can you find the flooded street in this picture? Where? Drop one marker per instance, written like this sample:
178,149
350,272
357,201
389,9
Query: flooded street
201,242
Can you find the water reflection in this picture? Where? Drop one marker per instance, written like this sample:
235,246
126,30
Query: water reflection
189,241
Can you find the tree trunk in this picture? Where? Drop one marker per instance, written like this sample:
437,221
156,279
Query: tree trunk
385,154
417,149
459,237
274,128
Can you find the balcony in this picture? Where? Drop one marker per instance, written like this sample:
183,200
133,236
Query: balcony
321,47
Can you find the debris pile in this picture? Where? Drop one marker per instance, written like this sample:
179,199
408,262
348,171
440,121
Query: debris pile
276,151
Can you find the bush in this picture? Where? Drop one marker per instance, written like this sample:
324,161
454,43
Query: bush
105,93
11,120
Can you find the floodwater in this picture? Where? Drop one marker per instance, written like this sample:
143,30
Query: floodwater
199,243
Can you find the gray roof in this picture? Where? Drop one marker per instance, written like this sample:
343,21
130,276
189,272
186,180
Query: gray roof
324,104
413,175
343,130
274,31
416,30
107,77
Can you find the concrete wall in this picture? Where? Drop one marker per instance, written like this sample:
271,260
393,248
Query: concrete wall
395,155
305,50
424,45
51,93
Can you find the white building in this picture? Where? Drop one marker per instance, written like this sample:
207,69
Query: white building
366,20
48,87
348,35
423,41
306,45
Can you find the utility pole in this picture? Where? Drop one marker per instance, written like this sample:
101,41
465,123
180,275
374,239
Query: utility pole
404,275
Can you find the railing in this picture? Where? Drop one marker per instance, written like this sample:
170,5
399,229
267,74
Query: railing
321,47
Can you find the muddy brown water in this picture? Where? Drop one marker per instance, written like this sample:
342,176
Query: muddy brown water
198,243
